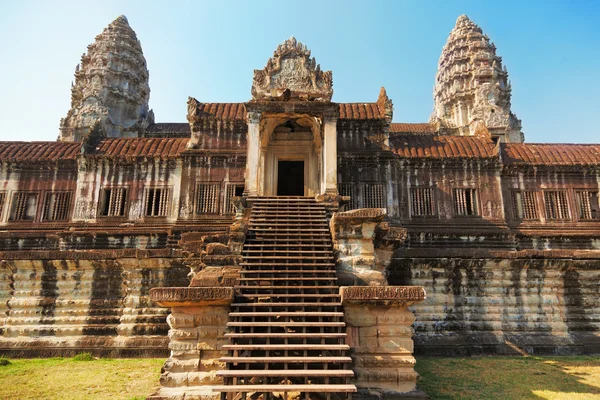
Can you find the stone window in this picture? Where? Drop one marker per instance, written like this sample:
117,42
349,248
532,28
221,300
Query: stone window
231,190
113,201
157,202
207,198
347,189
24,206
373,195
556,204
422,203
525,205
587,201
465,202
2,201
56,206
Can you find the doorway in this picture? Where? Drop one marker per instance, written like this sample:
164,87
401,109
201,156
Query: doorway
290,178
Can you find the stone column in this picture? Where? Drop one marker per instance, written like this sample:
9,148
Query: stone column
252,157
329,179
379,328
198,322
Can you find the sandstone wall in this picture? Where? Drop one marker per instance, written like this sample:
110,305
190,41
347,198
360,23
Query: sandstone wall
62,307
504,306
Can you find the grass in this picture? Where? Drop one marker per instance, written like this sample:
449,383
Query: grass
550,378
84,377
78,379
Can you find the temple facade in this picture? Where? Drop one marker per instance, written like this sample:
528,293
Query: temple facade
502,234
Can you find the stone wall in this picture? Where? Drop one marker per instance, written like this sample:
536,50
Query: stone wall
62,307
504,306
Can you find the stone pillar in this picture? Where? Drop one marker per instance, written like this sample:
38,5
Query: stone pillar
329,179
198,322
380,338
252,158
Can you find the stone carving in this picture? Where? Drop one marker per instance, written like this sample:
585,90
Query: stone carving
472,86
196,295
111,86
400,294
292,75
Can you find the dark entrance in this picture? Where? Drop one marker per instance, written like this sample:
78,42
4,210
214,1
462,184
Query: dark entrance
290,178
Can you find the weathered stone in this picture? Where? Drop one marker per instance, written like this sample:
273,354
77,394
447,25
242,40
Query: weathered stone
111,87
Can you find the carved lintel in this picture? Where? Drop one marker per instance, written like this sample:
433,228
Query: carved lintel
377,295
192,296
362,215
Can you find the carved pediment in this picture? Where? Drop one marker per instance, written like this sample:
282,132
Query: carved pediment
291,74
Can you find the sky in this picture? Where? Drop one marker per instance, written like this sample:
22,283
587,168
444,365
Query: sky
209,49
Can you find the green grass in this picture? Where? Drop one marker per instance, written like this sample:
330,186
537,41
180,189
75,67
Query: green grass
551,378
84,377
65,378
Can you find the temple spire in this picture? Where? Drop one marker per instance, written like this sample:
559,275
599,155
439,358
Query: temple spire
471,86
111,86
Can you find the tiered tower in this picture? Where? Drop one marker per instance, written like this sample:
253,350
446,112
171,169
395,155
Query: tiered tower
111,86
472,87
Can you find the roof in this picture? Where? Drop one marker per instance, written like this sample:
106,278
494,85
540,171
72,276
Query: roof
361,111
434,146
223,111
141,147
403,127
550,154
39,151
168,129
237,111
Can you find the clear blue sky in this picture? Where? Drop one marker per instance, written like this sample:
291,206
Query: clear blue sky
209,49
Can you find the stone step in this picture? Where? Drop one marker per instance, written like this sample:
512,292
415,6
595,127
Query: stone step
286,314
286,245
294,279
301,231
258,257
288,360
291,271
279,347
286,372
286,335
262,295
291,304
285,388
286,323
287,265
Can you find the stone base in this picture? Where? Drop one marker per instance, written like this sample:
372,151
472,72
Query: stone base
184,394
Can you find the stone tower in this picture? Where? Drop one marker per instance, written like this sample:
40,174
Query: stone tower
472,88
111,87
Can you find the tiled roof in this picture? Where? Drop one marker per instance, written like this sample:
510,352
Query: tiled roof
39,151
359,111
401,127
168,128
237,111
434,146
141,147
224,111
551,154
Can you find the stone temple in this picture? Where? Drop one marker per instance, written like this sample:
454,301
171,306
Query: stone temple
291,244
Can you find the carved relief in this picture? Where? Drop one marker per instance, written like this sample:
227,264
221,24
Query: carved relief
292,74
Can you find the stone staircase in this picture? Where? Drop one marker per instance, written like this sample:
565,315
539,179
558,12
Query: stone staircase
287,325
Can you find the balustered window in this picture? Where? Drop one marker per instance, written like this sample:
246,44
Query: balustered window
113,201
231,190
422,203
373,195
348,189
587,200
56,206
24,206
556,204
207,198
2,201
157,202
525,205
465,202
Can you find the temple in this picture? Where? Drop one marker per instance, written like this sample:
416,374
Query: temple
324,209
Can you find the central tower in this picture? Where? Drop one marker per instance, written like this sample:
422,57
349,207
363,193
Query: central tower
291,127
